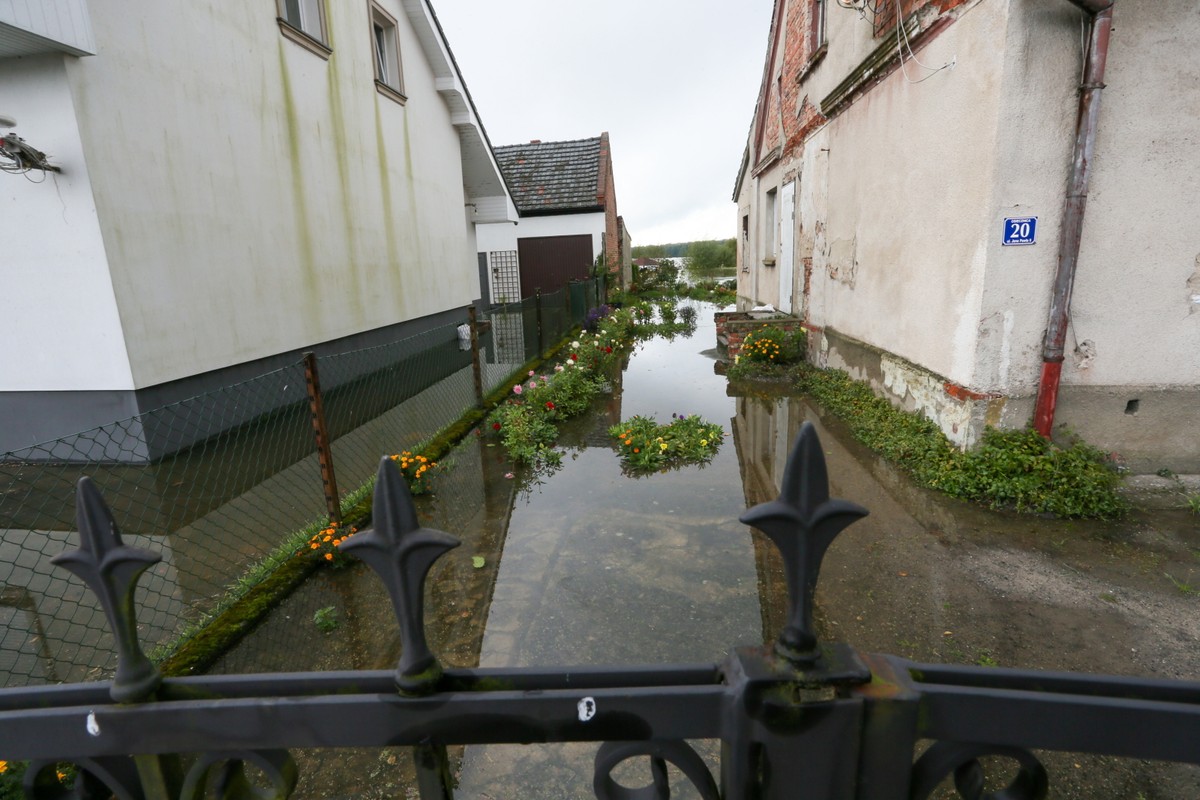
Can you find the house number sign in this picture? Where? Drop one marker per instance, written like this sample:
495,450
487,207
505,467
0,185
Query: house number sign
1020,230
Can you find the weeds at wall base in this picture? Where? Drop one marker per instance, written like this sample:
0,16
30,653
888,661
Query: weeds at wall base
1016,469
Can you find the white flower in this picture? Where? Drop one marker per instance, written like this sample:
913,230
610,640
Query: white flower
574,344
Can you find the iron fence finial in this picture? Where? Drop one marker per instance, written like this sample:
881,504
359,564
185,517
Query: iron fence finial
802,522
401,552
111,570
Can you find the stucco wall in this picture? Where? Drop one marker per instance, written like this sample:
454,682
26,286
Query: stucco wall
909,193
254,197
1137,288
62,330
503,236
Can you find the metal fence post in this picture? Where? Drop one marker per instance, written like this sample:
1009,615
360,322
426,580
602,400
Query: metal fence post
476,366
537,304
316,407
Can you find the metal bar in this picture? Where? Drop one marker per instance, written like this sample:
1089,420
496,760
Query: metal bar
1029,719
476,366
434,781
357,720
541,328
312,684
999,678
316,408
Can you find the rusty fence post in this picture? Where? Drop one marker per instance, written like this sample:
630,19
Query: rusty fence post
476,365
316,408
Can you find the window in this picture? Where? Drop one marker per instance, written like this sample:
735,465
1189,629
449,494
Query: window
770,224
817,31
817,43
386,48
303,21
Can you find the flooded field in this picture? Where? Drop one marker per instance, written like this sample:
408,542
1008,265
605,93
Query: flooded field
586,565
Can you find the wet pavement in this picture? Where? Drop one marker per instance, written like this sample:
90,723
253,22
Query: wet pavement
588,566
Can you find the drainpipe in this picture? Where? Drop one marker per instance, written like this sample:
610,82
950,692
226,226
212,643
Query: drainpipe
1073,208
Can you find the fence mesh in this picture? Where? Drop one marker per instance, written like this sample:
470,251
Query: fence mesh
216,482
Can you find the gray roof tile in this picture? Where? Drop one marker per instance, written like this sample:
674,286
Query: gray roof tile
552,177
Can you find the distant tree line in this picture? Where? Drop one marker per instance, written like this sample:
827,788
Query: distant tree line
709,258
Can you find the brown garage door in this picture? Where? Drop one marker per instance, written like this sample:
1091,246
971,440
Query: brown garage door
548,262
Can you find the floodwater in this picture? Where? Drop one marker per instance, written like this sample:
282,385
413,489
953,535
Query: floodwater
586,565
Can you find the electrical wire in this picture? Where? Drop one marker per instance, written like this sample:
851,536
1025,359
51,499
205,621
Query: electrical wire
902,42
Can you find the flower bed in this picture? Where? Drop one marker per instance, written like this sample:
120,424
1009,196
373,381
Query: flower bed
645,446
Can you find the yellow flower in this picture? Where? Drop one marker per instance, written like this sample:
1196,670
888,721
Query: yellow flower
3,767
704,442
663,446
62,776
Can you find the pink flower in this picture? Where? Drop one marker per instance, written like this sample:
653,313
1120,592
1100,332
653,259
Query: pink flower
531,373
518,389
508,475
533,384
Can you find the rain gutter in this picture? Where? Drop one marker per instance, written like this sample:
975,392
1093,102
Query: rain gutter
1073,209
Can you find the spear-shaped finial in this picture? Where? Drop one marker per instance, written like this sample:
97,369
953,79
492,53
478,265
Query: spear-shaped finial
111,570
401,553
803,522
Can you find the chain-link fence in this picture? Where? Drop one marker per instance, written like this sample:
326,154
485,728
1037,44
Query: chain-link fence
218,481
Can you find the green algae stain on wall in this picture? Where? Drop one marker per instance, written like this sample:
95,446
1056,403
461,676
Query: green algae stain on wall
350,271
385,187
302,235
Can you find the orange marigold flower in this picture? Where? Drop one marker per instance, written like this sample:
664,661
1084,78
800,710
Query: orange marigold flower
315,545
637,450
329,556
3,767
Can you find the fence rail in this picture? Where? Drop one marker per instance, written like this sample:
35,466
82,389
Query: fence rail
799,719
216,481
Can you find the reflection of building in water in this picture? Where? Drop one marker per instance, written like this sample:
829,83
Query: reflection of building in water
763,431
53,628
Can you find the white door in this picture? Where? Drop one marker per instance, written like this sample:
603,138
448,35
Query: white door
787,245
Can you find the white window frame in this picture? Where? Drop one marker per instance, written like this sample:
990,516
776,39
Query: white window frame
303,21
770,229
385,53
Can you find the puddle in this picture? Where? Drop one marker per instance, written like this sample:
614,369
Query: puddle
588,566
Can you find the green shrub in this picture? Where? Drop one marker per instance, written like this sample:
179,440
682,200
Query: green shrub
1018,469
1028,472
770,344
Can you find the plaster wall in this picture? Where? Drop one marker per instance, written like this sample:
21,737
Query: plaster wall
1031,157
62,326
1137,287
504,235
254,197
905,249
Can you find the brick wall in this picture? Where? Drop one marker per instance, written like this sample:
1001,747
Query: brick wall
732,327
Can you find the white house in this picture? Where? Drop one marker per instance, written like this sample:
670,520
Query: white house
925,196
566,198
240,180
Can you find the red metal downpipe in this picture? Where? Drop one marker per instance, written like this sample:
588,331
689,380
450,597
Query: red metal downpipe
1072,222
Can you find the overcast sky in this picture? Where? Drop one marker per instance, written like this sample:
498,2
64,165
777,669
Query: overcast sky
672,81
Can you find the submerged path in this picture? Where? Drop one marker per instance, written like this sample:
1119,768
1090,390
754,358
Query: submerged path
589,566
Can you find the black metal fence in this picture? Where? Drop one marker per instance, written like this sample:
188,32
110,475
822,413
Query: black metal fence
799,719
218,481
